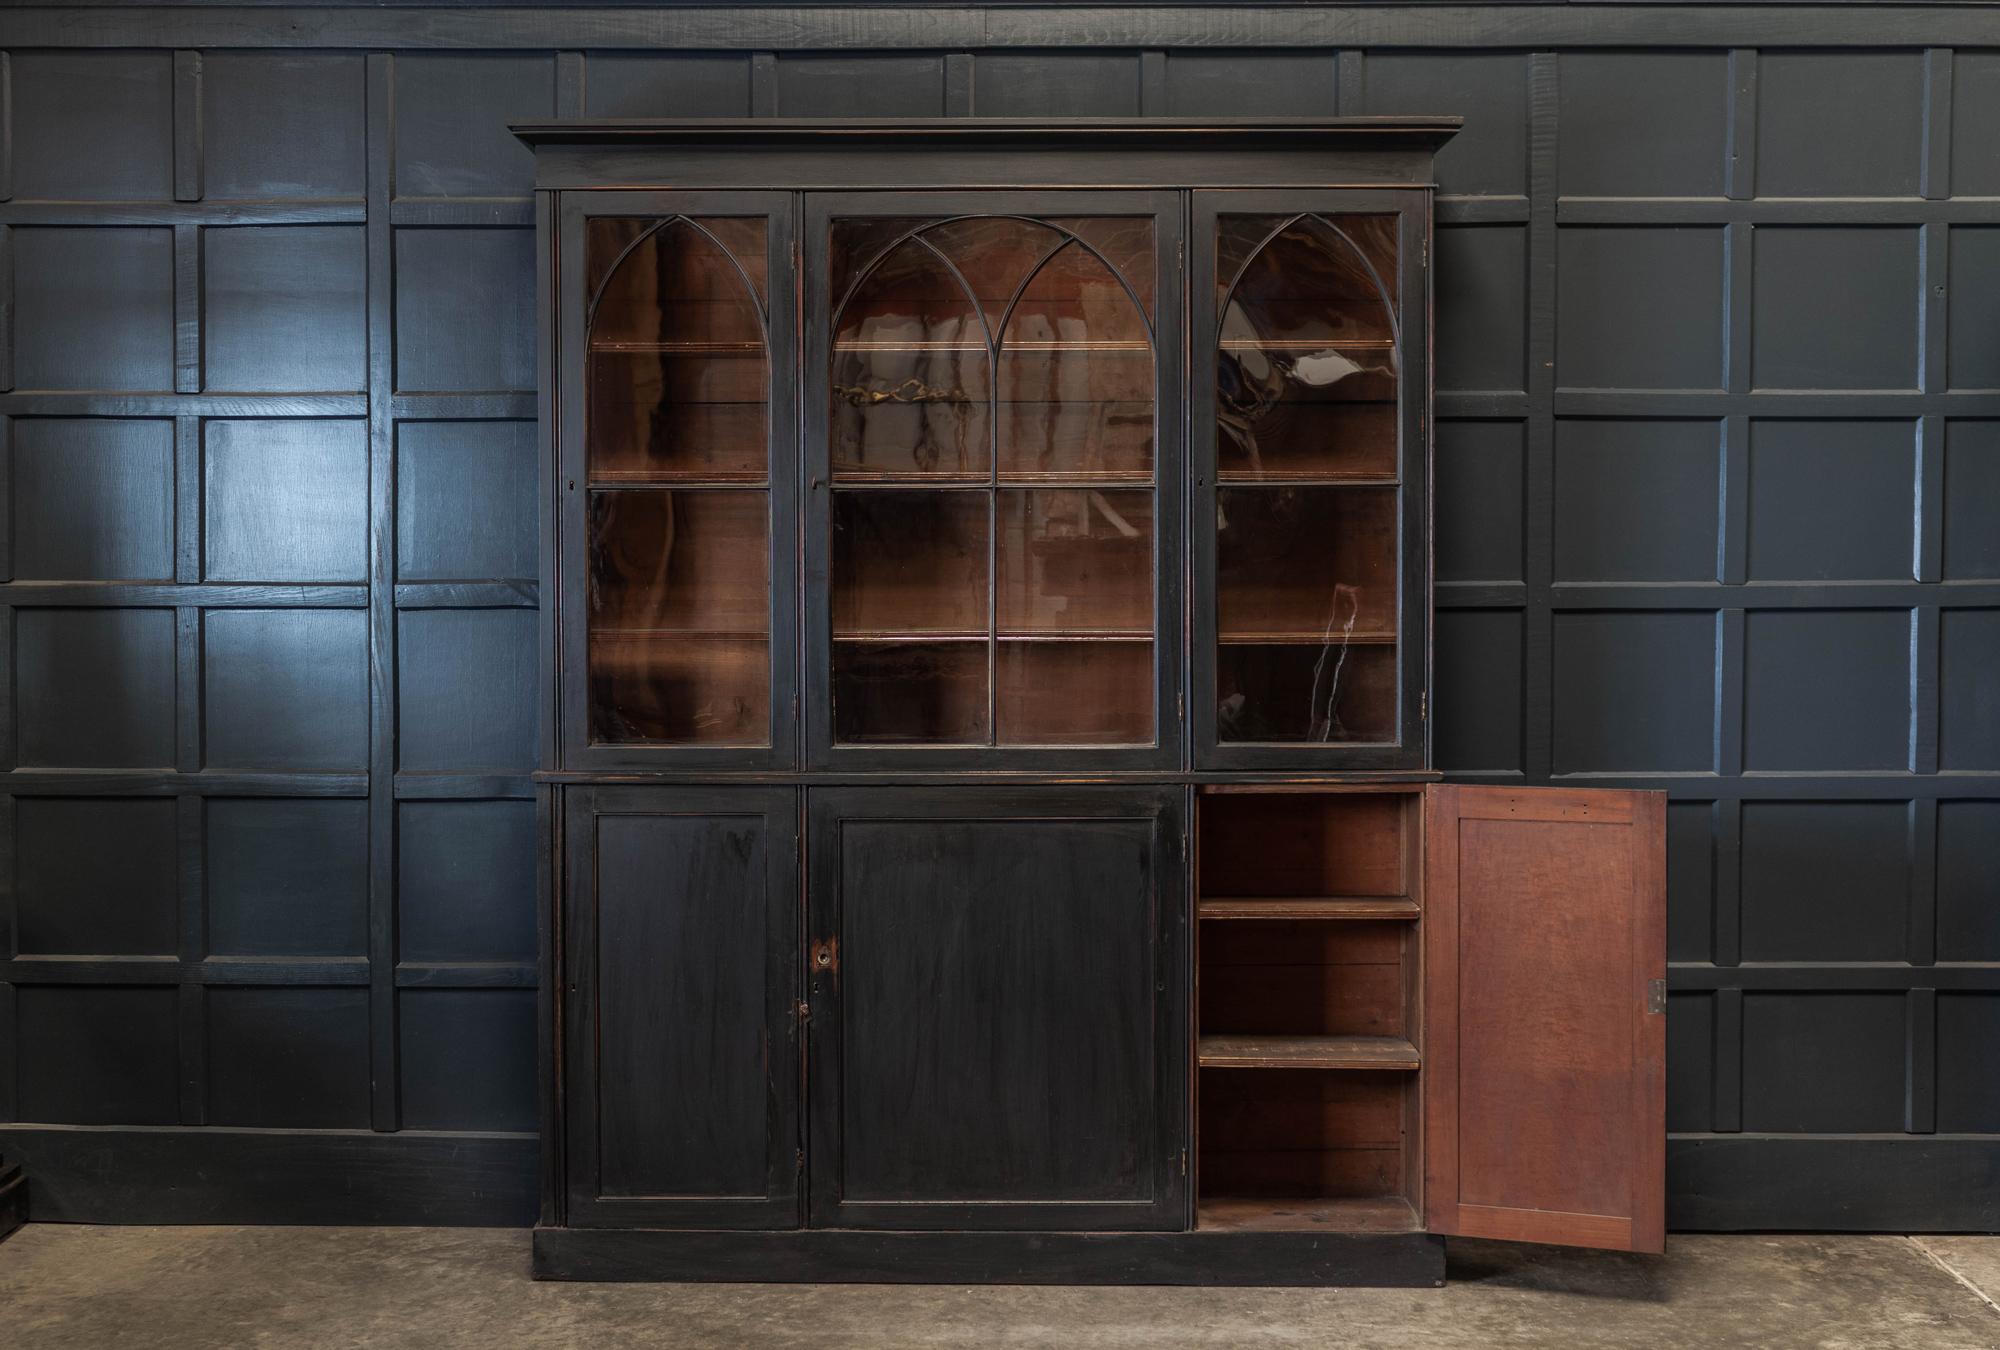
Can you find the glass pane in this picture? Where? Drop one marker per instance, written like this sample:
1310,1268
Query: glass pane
1076,377
1075,561
929,693
1306,582
677,387
1064,691
909,562
679,617
963,611
678,374
912,374
1307,415
1306,370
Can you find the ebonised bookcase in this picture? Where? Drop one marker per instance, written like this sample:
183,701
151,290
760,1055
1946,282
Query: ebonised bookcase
985,771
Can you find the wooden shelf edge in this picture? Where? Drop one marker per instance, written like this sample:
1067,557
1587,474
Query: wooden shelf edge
1262,1214
1307,1052
1309,907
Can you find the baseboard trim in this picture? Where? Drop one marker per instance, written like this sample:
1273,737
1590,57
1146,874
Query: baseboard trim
1880,1184
96,1174
1383,1260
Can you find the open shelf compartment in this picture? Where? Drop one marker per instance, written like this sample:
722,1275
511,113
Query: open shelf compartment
1309,1046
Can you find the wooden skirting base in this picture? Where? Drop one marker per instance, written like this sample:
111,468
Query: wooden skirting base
1399,1260
13,1198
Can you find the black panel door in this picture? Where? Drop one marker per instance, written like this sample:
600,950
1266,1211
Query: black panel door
682,961
997,1036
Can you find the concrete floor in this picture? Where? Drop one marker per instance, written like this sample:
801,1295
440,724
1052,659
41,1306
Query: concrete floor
166,1288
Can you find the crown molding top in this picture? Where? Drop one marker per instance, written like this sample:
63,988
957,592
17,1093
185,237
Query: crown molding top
1409,133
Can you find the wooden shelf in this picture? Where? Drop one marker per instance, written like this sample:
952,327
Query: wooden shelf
1306,1052
1262,1214
1331,638
1310,907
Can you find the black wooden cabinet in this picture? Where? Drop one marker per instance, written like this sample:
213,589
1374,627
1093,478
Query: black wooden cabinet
987,754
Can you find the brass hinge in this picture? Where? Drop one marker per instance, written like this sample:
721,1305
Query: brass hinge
1183,1162
1424,706
1656,996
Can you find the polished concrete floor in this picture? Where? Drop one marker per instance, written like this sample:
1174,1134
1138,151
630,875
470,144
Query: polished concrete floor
166,1288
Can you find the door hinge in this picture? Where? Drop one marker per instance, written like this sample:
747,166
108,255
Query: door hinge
1656,996
1424,706
1183,1162
803,1011
801,1156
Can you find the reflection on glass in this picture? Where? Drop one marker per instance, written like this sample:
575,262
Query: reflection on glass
1307,447
992,377
677,391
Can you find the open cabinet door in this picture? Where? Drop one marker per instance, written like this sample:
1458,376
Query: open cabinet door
1545,1028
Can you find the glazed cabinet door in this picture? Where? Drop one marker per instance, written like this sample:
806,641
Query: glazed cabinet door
1545,1015
677,480
992,417
680,954
998,1023
1309,393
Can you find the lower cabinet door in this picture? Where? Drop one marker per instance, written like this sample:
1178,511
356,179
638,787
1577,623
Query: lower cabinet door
997,1029
681,966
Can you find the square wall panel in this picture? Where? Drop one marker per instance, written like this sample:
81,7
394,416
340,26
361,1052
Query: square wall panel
1639,307
1818,136
1478,481
467,1058
93,499
94,688
1971,500
861,86
1969,690
1691,1061
465,501
452,113
96,876
1251,84
1476,701
1637,500
93,308
93,125
1690,881
1482,307
288,1058
286,689
465,881
466,688
1643,124
658,84
1055,84
285,500
1972,351
285,308
1634,692
465,309
1975,110
1832,501
287,877
1823,1063
1826,881
1968,1048
1826,689
1834,307
283,124
1968,881
1489,157
86,1055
